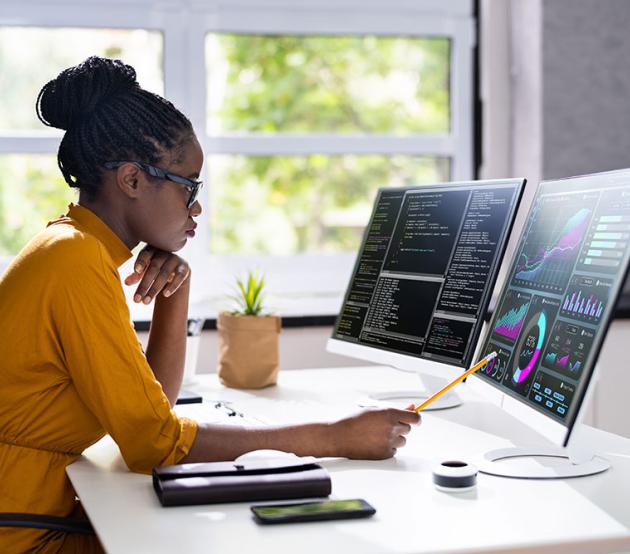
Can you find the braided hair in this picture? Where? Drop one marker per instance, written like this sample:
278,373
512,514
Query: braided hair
107,117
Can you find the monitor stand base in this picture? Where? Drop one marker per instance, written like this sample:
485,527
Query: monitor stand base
492,466
402,398
405,397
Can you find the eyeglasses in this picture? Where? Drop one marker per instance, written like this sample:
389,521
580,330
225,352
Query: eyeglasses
193,186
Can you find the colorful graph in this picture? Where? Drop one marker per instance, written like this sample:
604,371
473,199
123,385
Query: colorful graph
586,298
563,362
569,344
512,315
578,304
549,254
530,347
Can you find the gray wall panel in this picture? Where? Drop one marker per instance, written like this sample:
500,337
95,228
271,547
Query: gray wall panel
586,86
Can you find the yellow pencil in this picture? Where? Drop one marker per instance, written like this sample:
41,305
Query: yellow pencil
463,376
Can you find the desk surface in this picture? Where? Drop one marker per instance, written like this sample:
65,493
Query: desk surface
588,514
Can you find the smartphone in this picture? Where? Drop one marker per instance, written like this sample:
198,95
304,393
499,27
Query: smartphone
313,511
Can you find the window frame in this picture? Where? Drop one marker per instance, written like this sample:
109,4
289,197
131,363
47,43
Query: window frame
184,25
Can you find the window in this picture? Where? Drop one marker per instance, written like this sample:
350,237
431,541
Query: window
283,205
281,85
303,114
30,55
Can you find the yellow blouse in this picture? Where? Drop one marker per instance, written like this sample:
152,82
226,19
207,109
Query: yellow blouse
71,370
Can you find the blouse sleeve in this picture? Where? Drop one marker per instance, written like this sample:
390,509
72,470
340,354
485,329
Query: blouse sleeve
107,366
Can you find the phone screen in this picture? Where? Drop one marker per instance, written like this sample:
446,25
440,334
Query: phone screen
313,511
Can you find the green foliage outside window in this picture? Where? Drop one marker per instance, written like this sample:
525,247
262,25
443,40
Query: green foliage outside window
291,204
32,192
299,84
306,84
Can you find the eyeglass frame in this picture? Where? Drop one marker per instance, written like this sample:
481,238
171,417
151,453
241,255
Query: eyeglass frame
193,186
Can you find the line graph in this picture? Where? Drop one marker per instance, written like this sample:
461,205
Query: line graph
552,245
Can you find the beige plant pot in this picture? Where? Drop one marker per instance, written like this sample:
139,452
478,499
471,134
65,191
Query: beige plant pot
248,350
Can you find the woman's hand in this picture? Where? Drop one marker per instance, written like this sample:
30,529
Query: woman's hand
157,271
374,434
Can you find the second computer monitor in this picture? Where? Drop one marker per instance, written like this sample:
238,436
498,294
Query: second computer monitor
424,274
554,311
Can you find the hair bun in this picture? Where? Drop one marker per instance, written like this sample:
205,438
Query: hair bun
79,90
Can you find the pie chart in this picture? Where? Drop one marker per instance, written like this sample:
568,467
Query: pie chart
529,346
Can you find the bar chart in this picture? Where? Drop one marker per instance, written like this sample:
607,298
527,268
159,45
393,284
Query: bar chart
586,298
512,315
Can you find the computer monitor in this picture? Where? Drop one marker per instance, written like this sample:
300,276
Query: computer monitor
423,278
553,313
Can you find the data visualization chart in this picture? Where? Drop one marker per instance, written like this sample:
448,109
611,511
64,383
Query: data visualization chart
609,236
496,367
551,246
511,315
527,353
586,298
569,344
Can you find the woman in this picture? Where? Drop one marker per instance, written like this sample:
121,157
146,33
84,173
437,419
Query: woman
72,368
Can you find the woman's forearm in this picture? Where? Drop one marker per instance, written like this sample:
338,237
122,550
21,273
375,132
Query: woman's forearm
371,434
227,442
166,350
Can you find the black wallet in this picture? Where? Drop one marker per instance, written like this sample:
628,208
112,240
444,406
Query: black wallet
217,482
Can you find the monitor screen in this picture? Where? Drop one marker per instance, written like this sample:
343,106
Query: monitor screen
554,309
426,268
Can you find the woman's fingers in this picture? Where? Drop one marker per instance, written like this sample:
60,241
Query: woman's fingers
403,428
140,265
182,271
157,271
172,274
144,259
160,280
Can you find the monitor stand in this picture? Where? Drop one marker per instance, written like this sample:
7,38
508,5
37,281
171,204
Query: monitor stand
432,384
578,461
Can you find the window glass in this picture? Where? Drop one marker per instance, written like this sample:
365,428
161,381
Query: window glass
31,56
329,84
293,204
32,192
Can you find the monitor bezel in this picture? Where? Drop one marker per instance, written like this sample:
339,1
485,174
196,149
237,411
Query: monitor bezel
556,431
406,362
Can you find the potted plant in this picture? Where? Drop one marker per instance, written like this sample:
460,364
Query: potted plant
248,339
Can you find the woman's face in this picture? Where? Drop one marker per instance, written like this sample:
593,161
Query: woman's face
163,220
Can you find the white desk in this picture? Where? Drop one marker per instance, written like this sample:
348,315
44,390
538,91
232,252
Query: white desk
588,515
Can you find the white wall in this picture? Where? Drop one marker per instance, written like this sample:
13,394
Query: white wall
609,406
